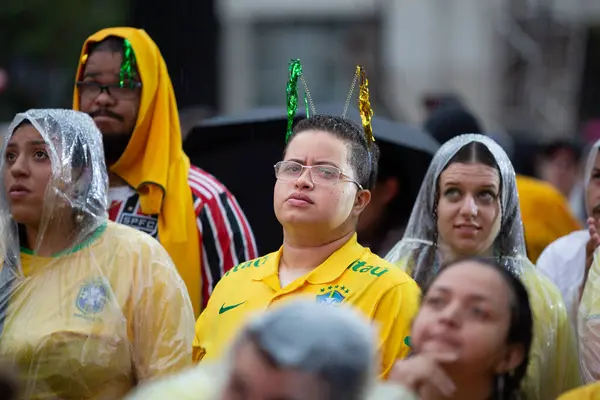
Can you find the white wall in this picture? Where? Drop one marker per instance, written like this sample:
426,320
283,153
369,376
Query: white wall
237,17
428,46
438,45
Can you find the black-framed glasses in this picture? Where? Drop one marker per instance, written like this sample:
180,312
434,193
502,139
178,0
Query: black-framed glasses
91,89
319,174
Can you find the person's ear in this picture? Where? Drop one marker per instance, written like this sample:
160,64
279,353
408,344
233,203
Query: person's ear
363,197
515,354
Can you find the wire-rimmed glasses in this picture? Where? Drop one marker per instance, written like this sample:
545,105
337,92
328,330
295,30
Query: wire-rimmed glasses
319,174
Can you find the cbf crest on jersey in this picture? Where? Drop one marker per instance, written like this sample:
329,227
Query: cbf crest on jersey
92,297
333,295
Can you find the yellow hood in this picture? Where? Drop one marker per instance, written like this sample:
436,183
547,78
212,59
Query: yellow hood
154,163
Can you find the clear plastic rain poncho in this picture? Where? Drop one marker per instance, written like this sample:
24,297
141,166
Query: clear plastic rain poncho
91,308
553,364
588,315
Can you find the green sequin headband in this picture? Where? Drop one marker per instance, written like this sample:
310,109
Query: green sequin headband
364,102
127,65
295,70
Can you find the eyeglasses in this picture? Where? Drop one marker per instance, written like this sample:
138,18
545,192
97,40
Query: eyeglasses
319,174
91,90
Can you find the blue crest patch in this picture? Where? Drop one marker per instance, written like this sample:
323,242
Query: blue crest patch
92,297
330,297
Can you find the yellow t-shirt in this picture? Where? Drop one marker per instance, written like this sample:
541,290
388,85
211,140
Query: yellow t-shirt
352,275
94,322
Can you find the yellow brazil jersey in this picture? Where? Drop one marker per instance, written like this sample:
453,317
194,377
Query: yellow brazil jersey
352,275
95,321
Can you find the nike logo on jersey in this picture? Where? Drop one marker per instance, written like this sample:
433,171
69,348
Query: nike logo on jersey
224,308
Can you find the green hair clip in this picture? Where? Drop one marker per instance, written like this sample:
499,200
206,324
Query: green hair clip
128,64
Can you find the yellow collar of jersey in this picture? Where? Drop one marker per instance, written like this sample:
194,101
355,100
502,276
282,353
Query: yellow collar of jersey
330,270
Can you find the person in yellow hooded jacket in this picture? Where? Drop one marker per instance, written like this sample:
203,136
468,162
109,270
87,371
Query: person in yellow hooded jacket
123,84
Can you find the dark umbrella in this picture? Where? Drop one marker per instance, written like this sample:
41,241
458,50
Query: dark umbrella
240,150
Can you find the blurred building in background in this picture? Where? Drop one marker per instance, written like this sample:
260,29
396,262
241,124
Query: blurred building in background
519,64
522,65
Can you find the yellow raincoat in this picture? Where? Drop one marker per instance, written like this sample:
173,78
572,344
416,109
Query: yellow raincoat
109,310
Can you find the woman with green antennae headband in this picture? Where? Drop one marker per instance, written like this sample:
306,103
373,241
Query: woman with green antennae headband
323,184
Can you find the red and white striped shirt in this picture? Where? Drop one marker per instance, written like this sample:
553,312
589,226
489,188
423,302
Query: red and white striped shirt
225,234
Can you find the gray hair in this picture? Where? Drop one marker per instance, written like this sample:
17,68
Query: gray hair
334,343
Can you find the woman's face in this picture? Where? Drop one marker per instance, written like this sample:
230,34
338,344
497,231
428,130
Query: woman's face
302,203
468,210
27,171
467,313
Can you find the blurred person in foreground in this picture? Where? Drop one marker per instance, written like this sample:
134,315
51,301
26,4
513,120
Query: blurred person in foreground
123,83
470,339
299,350
545,211
323,185
303,350
567,260
468,206
88,308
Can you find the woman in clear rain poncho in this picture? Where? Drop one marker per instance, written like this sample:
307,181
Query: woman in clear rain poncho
88,308
587,288
468,206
